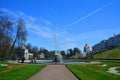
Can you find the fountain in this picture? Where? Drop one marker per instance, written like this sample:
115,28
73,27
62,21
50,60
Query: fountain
57,56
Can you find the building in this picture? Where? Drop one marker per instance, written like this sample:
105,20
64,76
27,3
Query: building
41,55
117,40
107,44
26,54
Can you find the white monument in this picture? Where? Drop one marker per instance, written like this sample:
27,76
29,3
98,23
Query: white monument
26,54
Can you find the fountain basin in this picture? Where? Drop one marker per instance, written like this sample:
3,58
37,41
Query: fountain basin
51,62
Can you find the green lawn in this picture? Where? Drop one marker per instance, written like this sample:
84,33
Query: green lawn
18,71
109,54
94,71
118,69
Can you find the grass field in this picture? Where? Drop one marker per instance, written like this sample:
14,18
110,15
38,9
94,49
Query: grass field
18,71
95,71
110,54
118,69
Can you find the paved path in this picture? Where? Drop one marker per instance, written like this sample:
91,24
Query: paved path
113,70
54,72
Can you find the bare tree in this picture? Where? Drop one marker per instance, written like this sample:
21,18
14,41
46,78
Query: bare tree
6,29
21,33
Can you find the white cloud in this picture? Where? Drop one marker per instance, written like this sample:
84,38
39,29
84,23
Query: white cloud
41,30
86,16
66,40
46,22
9,12
68,43
97,34
44,32
92,37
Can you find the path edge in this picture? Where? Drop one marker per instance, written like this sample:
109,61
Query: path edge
72,72
36,72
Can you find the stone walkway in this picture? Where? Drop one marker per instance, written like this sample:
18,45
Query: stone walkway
113,70
54,72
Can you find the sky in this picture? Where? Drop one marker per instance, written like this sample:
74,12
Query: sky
75,22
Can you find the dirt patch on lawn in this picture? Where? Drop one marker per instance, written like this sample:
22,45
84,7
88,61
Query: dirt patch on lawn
12,67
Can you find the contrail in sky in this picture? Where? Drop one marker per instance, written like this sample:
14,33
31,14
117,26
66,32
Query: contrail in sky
86,16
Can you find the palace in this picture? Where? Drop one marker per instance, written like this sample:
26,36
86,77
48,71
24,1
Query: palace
107,44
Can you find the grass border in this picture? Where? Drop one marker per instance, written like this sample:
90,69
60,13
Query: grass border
35,72
20,71
72,72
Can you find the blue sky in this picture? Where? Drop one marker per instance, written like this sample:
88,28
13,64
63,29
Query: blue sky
76,22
